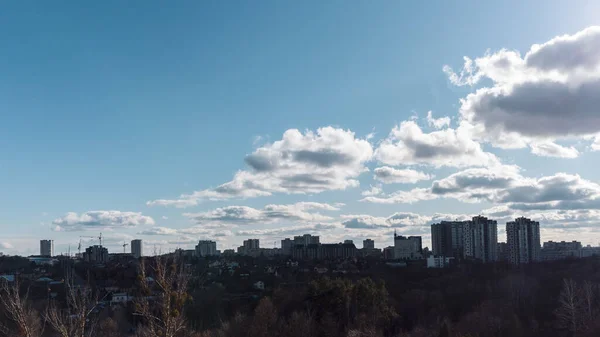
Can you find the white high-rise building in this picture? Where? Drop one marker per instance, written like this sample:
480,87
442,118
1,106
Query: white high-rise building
481,239
206,248
523,240
47,247
137,248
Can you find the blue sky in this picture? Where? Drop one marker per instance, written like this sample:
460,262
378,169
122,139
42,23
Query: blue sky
111,106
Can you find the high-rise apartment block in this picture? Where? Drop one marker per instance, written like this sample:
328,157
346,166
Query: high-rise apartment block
137,248
206,248
407,247
47,247
481,239
286,246
473,239
447,238
96,254
368,244
523,240
251,244
305,240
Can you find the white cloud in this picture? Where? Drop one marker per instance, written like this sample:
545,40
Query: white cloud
397,220
550,149
159,231
301,211
299,163
289,230
101,219
402,197
165,217
390,175
407,144
505,186
375,190
6,245
438,123
550,93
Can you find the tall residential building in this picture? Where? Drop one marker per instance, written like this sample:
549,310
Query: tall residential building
47,247
251,244
447,238
286,246
406,247
481,239
503,252
206,248
523,239
368,244
96,254
306,239
418,242
137,248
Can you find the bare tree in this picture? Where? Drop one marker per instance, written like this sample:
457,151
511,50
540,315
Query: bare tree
75,320
163,298
588,292
26,321
569,310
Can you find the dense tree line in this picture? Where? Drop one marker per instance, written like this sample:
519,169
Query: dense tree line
559,299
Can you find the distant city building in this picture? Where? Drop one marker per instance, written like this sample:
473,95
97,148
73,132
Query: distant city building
523,240
560,250
481,239
418,242
251,244
324,251
439,261
286,246
137,248
96,254
503,252
348,241
47,248
228,252
388,253
588,251
368,244
206,248
407,247
306,240
447,238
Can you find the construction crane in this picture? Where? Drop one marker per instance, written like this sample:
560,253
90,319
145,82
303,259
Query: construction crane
81,237
124,245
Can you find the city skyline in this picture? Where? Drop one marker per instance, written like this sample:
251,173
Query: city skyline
198,122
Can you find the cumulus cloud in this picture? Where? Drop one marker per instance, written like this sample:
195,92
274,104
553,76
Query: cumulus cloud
438,123
375,190
301,211
299,163
390,175
549,93
159,231
407,144
6,245
550,149
396,220
289,230
101,219
402,197
508,189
